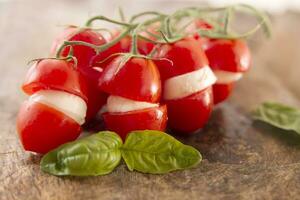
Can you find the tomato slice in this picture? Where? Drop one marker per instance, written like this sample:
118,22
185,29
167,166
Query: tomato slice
221,92
191,113
57,75
42,128
138,79
123,123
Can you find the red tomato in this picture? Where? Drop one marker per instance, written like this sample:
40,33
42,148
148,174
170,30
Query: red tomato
42,128
84,54
54,74
138,79
186,55
147,119
191,113
223,54
228,55
221,92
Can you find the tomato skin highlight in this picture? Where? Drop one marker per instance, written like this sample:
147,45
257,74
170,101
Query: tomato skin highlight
42,128
221,92
138,79
54,74
84,54
146,119
186,56
191,113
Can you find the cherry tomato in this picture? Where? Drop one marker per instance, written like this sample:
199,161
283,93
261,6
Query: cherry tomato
228,56
84,54
225,55
191,113
138,79
42,128
147,119
54,74
186,56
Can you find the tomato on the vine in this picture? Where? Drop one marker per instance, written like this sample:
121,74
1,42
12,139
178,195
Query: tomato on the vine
84,54
56,107
229,59
187,81
135,89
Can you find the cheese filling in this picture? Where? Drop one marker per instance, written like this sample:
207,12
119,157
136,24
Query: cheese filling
69,104
121,104
184,85
224,77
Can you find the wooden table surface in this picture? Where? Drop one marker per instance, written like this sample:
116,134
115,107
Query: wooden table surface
242,159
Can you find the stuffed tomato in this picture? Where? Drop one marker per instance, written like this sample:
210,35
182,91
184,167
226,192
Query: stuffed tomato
229,59
56,107
187,82
135,88
84,54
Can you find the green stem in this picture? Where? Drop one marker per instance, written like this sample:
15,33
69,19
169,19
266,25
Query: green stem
134,17
103,18
168,27
261,16
121,13
134,48
116,40
227,19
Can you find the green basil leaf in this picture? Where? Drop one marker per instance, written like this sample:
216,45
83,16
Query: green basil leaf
156,152
279,115
94,155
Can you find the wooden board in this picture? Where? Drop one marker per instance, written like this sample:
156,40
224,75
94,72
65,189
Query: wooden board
242,159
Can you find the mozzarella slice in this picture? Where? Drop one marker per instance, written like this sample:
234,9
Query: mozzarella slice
69,104
121,104
184,85
224,77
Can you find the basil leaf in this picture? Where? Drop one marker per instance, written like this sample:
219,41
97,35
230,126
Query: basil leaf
156,152
94,155
279,115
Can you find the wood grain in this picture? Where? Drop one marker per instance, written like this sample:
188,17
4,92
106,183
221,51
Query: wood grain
242,159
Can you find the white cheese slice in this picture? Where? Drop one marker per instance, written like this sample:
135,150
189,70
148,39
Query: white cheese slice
69,104
224,77
186,84
121,104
